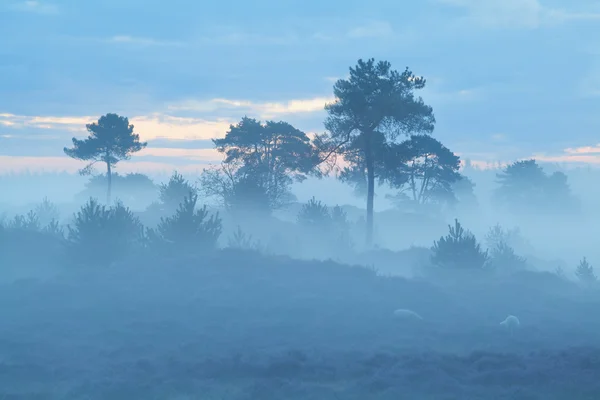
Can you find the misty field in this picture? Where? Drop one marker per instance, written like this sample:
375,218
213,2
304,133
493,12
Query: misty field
244,326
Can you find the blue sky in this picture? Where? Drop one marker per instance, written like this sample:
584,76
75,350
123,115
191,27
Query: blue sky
508,79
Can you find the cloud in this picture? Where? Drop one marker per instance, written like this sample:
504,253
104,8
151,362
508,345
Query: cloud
154,126
577,155
36,7
142,41
373,29
10,164
529,14
260,109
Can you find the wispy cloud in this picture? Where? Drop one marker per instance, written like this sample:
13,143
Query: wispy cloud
528,14
36,7
577,155
143,41
260,109
154,126
373,29
10,164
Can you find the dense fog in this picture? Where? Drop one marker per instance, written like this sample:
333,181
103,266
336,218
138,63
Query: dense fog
156,295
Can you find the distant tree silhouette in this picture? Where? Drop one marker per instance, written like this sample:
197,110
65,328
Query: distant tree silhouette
47,212
173,193
237,190
525,187
585,272
100,235
189,230
325,226
111,140
372,108
458,250
131,188
314,214
262,158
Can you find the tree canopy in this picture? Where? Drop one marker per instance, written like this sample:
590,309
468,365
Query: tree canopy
262,160
525,187
110,140
372,108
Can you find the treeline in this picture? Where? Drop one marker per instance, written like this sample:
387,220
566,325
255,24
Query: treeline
378,131
100,235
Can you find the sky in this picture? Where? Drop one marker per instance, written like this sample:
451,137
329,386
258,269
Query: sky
508,79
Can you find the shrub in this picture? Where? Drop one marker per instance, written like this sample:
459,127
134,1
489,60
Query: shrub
458,250
29,222
174,192
243,241
504,258
101,235
314,214
585,272
189,230
47,212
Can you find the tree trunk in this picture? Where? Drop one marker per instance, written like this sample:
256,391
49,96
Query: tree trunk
370,192
109,180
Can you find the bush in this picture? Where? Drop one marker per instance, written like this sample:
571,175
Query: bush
504,258
47,212
101,235
458,250
175,191
189,230
243,241
314,214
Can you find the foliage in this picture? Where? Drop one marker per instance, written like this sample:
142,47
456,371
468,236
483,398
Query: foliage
131,188
189,230
110,140
524,187
372,108
314,214
327,227
585,272
29,222
458,250
504,258
243,241
423,169
47,212
101,235
269,156
497,236
173,193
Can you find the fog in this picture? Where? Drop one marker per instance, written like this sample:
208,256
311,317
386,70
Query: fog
154,296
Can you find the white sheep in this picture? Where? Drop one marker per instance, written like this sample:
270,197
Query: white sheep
407,314
511,323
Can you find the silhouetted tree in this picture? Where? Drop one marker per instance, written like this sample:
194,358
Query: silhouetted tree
372,108
458,250
237,190
111,140
173,193
47,212
190,230
525,187
101,234
423,169
585,272
131,188
314,214
262,158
